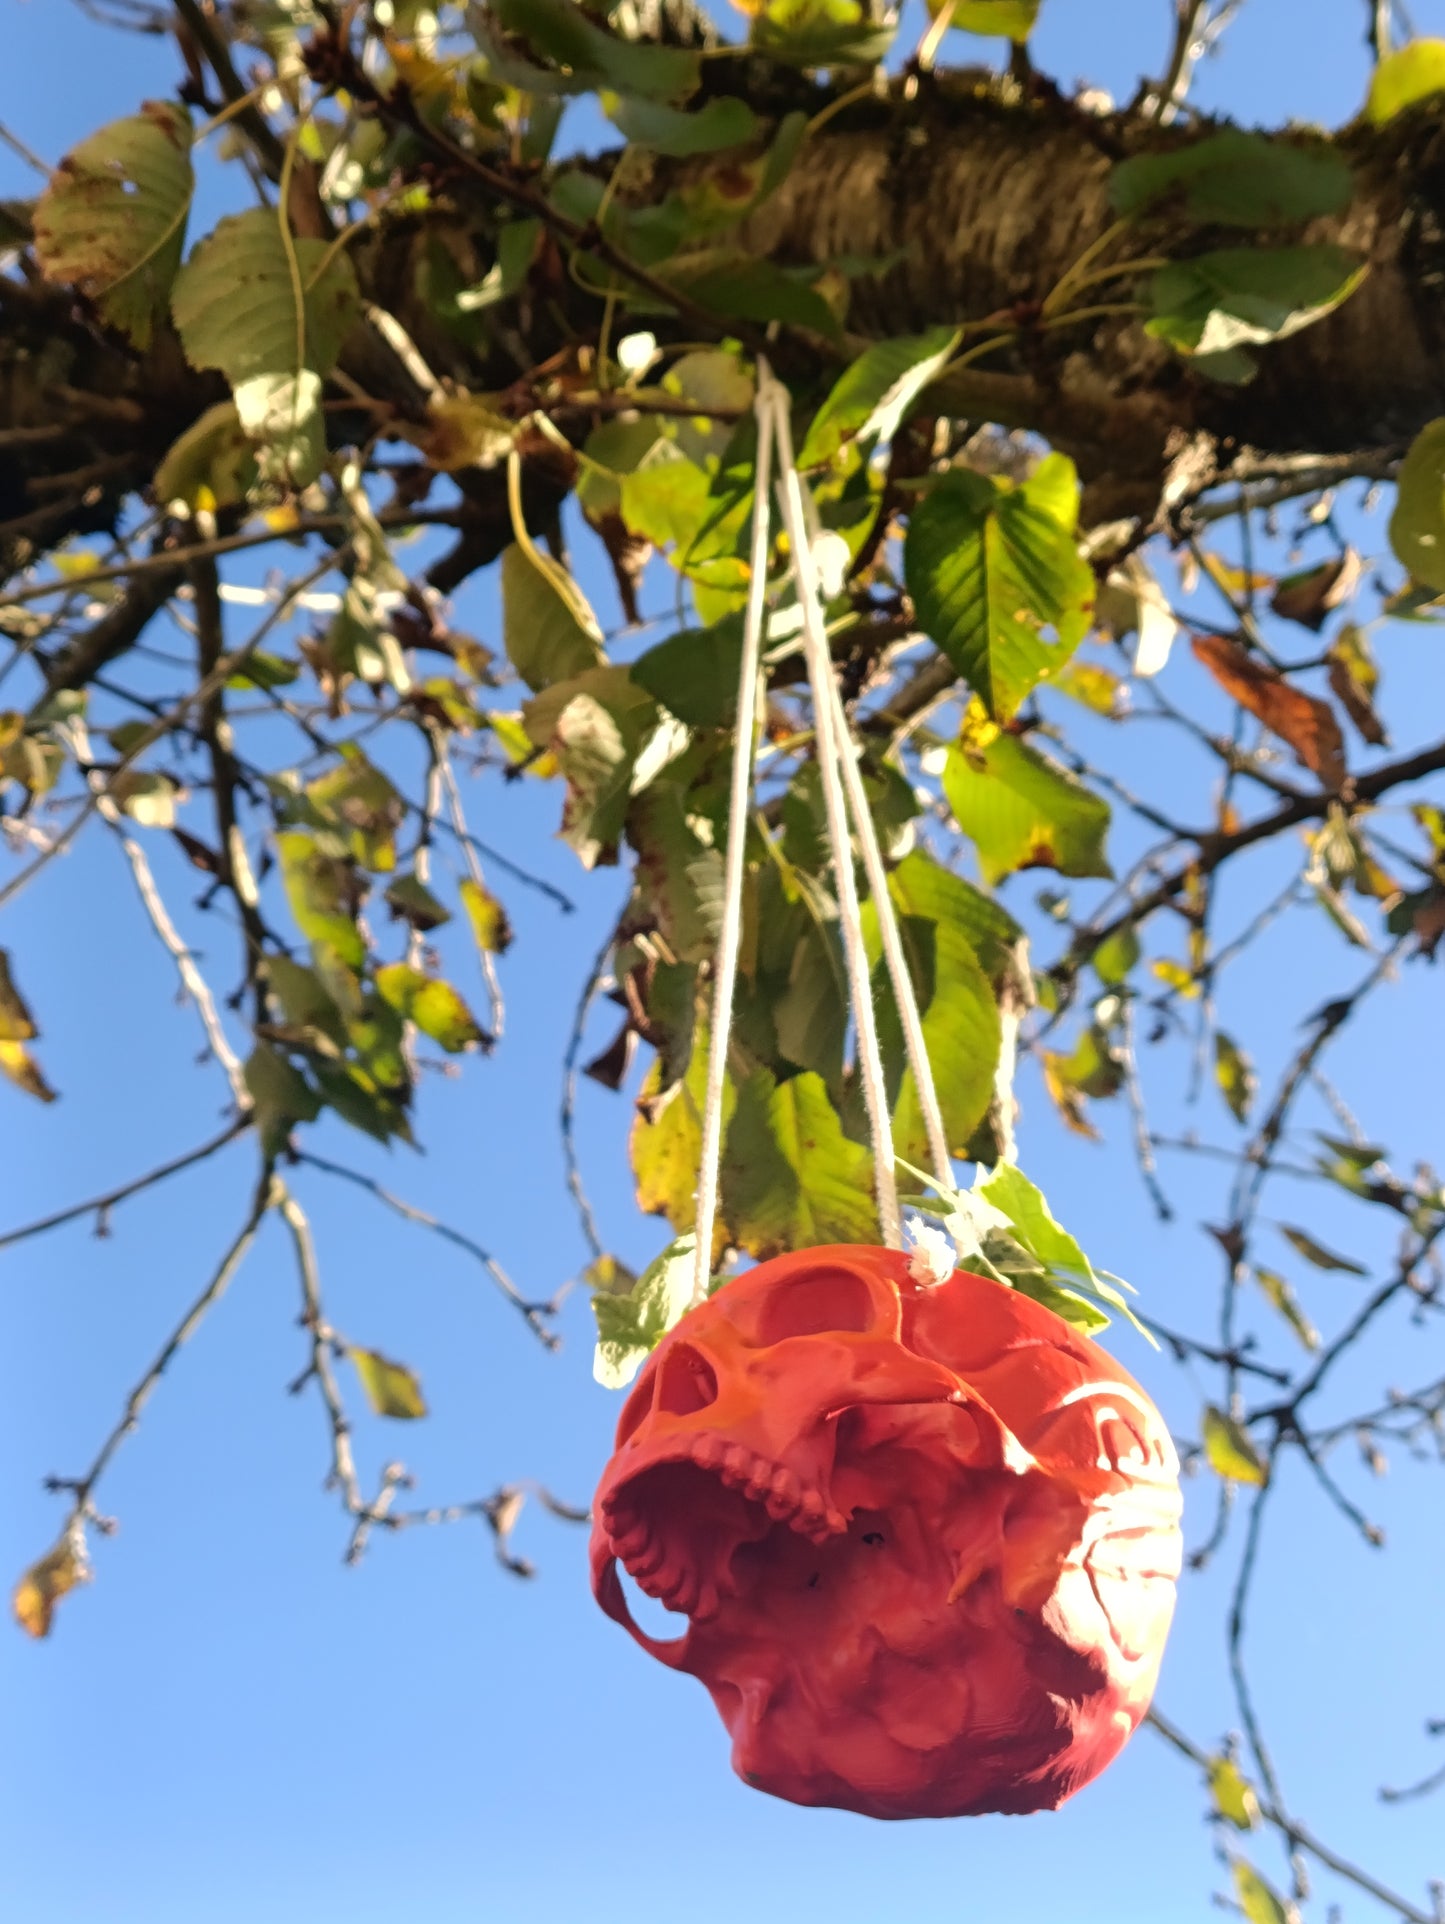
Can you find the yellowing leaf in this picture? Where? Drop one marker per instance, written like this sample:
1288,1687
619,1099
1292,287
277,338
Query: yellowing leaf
21,1067
1176,975
1230,1448
112,221
490,927
1288,1304
47,1581
1235,1074
1020,808
16,1022
434,1006
391,1388
1259,1901
1409,74
1417,527
1234,1797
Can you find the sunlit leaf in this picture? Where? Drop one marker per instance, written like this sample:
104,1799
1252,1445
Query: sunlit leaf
21,1068
1307,724
1234,1796
1020,809
490,926
1115,957
433,1005
790,1177
868,402
1402,77
46,1582
1235,1074
632,1320
1230,1448
391,1388
991,569
1215,304
1259,1901
1417,526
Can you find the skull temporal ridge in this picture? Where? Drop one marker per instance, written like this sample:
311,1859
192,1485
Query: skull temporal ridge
926,1537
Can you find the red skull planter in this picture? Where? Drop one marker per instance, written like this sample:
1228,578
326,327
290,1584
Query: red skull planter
926,1535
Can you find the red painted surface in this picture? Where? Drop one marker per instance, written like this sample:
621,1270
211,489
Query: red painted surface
926,1537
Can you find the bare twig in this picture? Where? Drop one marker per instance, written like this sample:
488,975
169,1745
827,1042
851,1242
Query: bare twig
101,1206
535,1313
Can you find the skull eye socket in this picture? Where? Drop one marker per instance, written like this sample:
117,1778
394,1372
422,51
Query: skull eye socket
812,1305
686,1382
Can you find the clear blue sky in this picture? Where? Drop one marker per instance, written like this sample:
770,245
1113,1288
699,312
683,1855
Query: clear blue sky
229,1726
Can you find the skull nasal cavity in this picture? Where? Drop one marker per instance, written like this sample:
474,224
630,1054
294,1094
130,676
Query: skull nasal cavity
686,1382
829,1299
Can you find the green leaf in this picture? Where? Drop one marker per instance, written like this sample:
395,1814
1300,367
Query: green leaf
745,287
680,876
433,1005
271,312
1022,810
319,890
1230,1448
490,926
1009,19
1235,1074
1316,1253
719,123
632,1322
410,898
1218,303
694,674
877,393
790,1178
591,58
1115,958
112,221
990,568
1237,179
391,1388
280,1095
148,798
960,1016
361,806
598,726
1409,74
1234,1796
1417,526
1288,1304
1260,1903
549,636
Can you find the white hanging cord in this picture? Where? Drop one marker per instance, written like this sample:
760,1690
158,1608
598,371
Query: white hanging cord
730,935
832,748
898,970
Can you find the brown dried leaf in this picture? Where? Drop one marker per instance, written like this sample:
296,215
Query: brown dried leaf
46,1582
1354,677
1307,724
1310,597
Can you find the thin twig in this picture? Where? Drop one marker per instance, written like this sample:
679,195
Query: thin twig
102,1205
535,1313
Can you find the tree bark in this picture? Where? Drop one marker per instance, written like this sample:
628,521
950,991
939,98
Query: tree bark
987,202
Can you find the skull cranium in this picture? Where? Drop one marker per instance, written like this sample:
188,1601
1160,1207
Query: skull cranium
926,1537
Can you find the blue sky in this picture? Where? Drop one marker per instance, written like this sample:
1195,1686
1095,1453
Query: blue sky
229,1725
